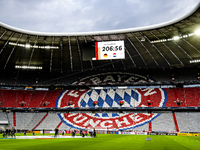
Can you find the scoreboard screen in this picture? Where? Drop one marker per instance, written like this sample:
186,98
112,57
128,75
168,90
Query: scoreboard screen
110,50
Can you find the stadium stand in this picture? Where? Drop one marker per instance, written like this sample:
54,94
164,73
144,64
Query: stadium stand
63,126
188,121
18,98
14,119
164,122
37,98
49,99
174,122
194,119
11,119
192,96
40,121
144,127
3,117
50,122
27,121
186,97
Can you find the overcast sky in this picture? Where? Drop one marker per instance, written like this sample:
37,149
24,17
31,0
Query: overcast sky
90,15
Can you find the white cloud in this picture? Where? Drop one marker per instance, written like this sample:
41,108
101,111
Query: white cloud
90,15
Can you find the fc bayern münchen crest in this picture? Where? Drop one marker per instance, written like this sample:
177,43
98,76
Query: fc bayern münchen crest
112,98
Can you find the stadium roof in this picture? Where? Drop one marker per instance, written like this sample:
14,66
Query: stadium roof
171,44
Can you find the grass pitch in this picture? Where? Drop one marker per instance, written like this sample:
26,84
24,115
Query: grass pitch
104,142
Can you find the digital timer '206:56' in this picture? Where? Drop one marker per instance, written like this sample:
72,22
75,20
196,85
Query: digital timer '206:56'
111,48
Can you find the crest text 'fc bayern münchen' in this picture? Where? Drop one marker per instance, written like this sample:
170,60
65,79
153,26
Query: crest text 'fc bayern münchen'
110,98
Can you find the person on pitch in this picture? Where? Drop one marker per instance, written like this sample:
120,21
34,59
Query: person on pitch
56,132
94,133
13,132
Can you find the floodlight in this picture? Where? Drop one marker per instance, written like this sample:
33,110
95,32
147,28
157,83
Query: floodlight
27,45
197,32
176,38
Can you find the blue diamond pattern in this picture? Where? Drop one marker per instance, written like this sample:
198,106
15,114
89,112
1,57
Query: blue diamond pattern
100,102
89,93
105,115
115,115
90,103
127,98
109,100
96,115
105,90
83,103
98,91
137,97
134,95
117,98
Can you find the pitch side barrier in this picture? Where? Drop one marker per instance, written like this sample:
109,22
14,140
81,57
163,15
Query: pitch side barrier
189,134
103,109
149,133
162,133
128,132
174,134
136,133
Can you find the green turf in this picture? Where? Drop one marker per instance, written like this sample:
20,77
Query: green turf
105,142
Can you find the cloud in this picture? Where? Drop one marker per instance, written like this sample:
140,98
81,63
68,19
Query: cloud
90,15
